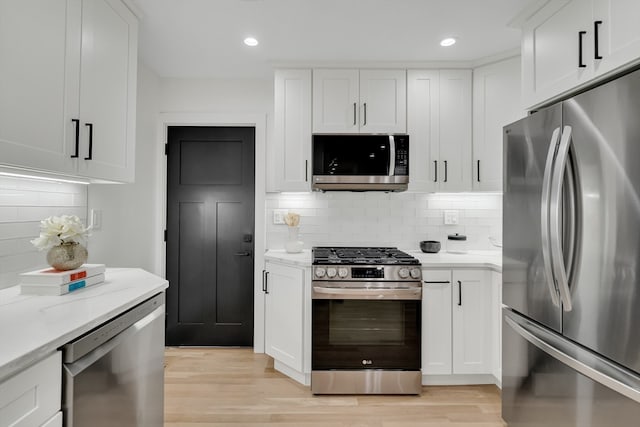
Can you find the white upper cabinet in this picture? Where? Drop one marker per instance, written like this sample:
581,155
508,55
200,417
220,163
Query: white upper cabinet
439,128
496,103
108,90
36,42
359,101
290,165
568,44
68,87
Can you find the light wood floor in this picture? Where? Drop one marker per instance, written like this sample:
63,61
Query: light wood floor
235,387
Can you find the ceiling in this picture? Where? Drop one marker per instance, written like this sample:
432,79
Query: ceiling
204,38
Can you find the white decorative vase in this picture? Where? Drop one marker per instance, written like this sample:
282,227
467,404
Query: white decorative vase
67,256
293,245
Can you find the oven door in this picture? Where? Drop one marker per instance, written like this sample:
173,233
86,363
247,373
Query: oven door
374,328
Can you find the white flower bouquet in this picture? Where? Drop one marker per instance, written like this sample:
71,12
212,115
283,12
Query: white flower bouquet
57,230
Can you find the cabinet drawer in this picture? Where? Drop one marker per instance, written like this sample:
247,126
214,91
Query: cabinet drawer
32,397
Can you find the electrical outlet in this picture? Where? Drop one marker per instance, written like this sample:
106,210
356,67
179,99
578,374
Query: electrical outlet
451,217
278,215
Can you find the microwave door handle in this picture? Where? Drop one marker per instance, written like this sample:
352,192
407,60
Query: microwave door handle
392,156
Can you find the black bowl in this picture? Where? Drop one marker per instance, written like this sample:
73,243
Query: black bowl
430,246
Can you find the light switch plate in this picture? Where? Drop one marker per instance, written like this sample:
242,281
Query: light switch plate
96,219
451,217
278,215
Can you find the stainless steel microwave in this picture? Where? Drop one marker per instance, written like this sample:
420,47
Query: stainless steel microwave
360,162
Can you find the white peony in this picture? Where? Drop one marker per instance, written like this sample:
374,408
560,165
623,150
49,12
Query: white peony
56,230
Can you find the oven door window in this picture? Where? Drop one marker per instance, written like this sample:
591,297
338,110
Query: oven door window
365,334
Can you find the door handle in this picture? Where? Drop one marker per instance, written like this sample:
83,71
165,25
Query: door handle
243,253
445,171
90,126
435,175
478,170
354,114
580,34
544,217
265,281
77,123
596,27
365,114
459,292
555,218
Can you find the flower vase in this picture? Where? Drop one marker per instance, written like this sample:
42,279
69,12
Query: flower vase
67,256
293,245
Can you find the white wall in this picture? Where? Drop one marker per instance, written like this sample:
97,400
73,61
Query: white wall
23,204
129,234
386,219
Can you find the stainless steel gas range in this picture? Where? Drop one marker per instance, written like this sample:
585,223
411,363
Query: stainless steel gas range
366,311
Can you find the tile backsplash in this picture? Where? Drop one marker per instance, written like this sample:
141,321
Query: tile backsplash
23,204
386,219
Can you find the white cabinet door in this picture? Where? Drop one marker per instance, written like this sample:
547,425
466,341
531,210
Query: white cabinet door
472,338
36,86
336,104
32,396
496,103
359,101
423,121
496,324
550,50
618,33
383,100
108,90
454,165
291,165
436,322
284,314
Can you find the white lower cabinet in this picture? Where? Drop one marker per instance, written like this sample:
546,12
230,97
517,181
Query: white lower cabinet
286,318
32,397
457,326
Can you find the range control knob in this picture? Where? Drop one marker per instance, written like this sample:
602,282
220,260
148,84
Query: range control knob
331,272
415,273
343,272
403,273
320,272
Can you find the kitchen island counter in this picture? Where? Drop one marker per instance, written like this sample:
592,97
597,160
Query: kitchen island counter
32,327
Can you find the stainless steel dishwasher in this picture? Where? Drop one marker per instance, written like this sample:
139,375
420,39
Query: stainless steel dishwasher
114,375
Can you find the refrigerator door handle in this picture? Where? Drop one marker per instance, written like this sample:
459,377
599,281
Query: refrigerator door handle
555,219
577,358
544,217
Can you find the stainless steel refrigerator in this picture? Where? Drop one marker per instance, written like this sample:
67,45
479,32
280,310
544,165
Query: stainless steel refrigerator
571,262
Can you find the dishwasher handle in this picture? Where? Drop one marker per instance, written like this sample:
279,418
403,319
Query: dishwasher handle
77,367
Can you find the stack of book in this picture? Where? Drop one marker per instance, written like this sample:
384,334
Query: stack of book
56,282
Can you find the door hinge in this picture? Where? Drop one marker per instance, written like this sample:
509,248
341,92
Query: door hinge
166,149
165,235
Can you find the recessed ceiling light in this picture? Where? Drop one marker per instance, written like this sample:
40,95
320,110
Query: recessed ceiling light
449,41
250,41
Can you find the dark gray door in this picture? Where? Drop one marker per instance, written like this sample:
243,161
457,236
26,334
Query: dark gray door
210,220
527,280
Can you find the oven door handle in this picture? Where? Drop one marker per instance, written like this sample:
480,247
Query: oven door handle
371,293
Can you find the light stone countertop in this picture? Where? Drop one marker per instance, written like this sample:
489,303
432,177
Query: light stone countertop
33,326
473,259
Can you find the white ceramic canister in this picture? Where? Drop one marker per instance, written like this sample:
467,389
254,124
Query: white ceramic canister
457,243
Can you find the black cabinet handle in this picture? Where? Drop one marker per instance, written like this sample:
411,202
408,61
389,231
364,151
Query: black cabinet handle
436,282
90,126
445,171
435,175
365,114
306,171
354,113
459,292
265,283
77,122
580,34
478,170
596,24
